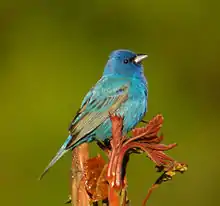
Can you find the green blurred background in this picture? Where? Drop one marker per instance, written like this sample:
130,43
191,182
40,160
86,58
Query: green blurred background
53,52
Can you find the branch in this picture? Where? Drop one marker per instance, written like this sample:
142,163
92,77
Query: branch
79,195
95,180
145,140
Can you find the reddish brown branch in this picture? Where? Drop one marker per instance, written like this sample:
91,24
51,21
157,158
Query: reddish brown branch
94,180
145,140
153,187
79,195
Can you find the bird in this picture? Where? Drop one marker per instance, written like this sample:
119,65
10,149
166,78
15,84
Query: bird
122,90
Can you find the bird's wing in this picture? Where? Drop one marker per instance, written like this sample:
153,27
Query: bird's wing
106,97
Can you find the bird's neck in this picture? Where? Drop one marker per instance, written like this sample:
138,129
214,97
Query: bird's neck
139,77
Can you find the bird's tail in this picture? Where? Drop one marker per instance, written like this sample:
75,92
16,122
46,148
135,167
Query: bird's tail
59,154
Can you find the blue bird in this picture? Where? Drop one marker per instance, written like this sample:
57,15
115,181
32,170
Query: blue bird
122,90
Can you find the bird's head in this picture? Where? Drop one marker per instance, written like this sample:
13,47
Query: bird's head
125,63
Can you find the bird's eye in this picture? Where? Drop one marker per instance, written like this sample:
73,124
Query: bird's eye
126,61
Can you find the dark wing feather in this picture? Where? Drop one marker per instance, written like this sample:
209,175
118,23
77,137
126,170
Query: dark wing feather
95,111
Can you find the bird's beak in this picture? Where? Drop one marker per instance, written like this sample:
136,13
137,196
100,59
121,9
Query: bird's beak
139,58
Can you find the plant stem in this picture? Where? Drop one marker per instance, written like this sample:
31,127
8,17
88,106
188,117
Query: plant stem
114,198
153,187
79,156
